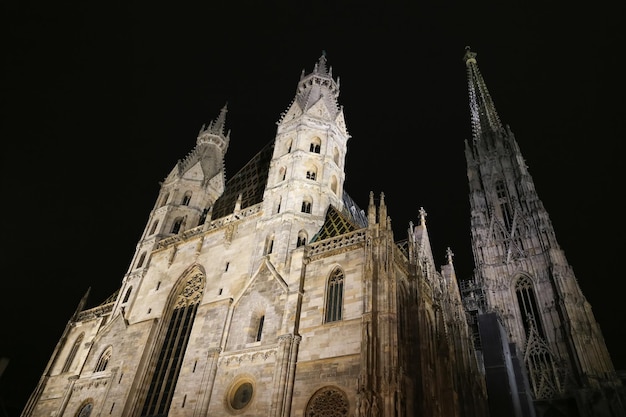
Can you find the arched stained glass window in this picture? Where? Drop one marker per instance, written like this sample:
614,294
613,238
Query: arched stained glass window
528,305
172,352
72,354
334,296
103,362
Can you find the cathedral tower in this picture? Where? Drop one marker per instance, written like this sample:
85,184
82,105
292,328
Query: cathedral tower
306,172
523,276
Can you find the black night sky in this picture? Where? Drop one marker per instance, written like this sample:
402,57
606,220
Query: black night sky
101,99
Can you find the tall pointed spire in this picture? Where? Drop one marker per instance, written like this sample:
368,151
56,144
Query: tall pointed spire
317,86
522,276
214,132
320,67
217,126
483,111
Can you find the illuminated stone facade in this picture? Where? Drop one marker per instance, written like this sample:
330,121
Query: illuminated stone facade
271,294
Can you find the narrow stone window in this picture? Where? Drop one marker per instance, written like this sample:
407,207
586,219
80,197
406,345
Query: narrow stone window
186,199
142,258
269,245
259,330
204,216
177,225
505,207
127,296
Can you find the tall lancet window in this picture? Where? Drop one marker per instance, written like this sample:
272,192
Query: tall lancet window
259,330
334,296
170,357
72,354
505,207
542,371
528,305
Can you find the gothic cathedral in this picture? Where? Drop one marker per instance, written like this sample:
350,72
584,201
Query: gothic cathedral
272,293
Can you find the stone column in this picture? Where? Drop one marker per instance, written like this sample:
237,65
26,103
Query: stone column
280,375
208,380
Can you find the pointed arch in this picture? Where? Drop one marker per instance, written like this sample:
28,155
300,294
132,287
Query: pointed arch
539,360
103,361
179,316
186,199
334,296
72,354
527,305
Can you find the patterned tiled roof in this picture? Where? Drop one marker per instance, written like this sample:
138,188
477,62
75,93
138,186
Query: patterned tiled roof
249,182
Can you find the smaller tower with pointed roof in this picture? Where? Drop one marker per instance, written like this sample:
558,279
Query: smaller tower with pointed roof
306,172
185,199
